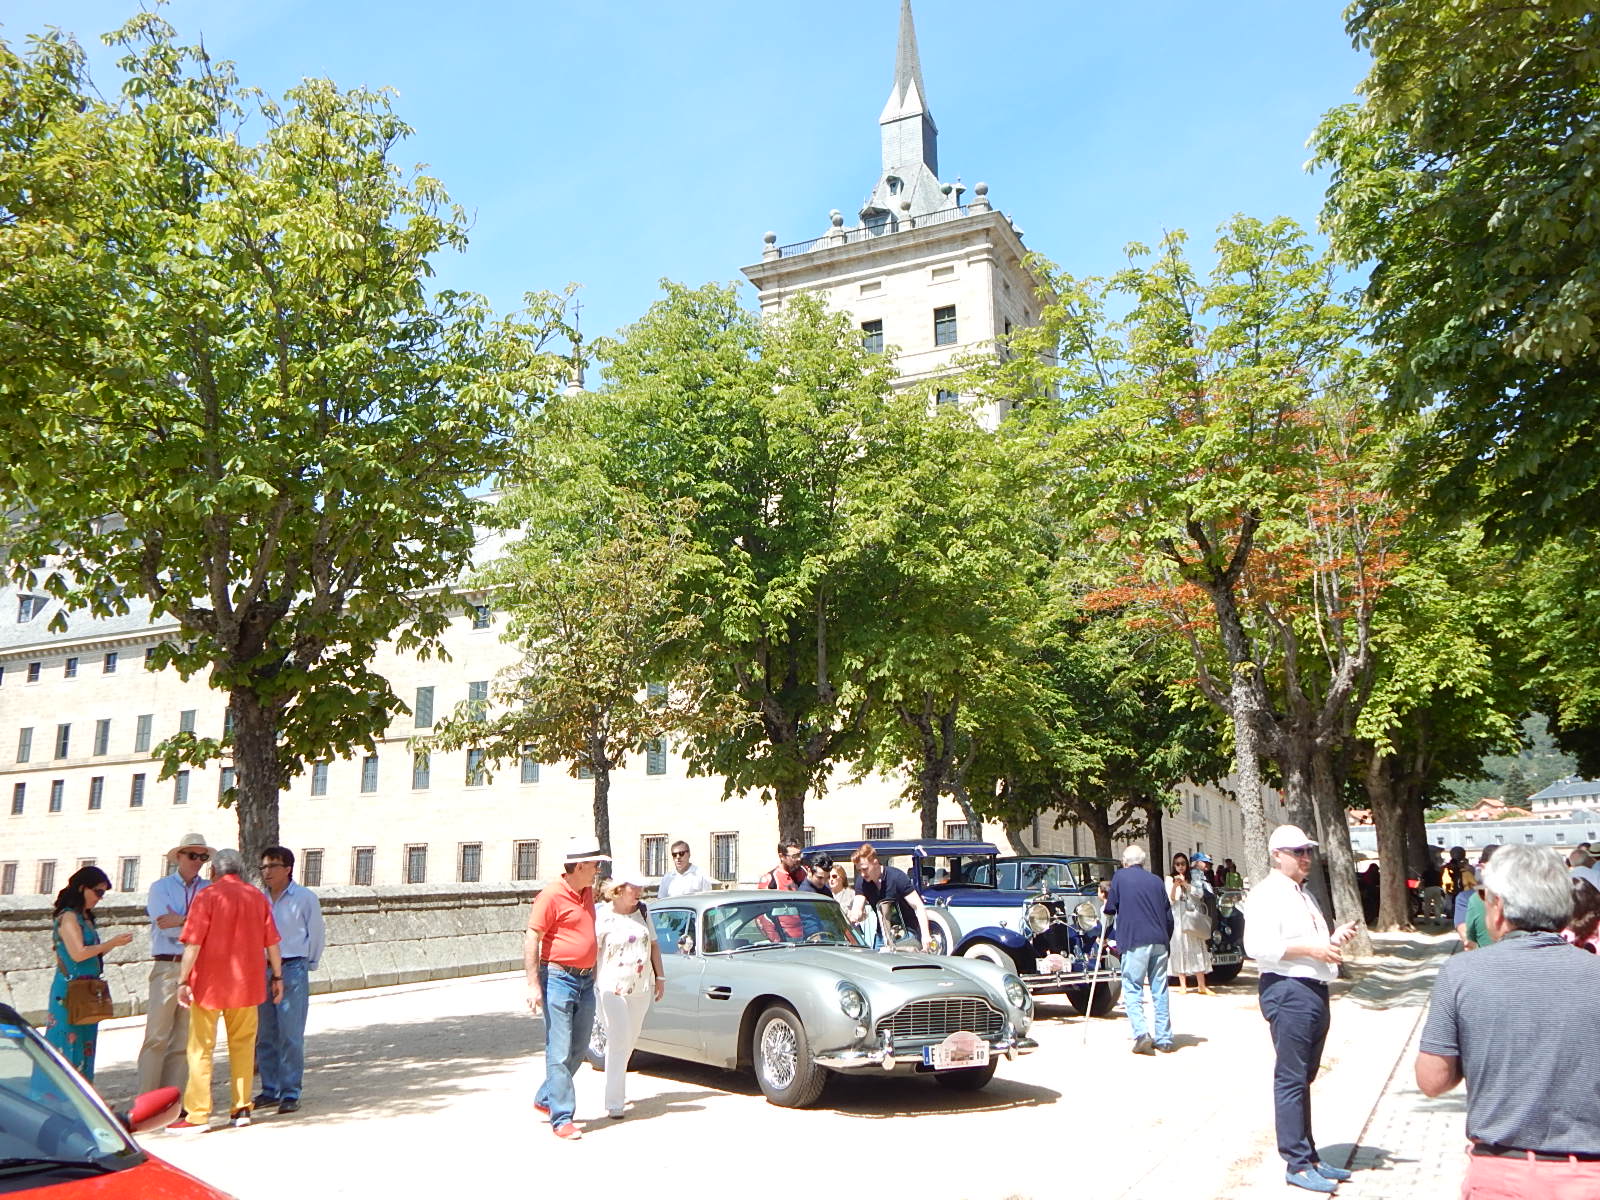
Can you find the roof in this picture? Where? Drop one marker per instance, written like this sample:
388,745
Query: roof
1570,786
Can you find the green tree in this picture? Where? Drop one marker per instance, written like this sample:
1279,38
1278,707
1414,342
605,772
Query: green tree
587,589
767,427
1465,177
273,428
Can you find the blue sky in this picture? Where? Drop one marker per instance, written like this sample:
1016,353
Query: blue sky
614,142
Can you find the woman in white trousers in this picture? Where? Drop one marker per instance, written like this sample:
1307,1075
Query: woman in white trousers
628,975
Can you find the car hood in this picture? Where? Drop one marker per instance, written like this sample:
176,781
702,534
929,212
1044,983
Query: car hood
152,1179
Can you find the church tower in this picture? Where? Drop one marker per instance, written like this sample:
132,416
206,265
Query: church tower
922,272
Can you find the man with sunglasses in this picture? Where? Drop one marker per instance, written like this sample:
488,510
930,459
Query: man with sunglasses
281,1025
1287,935
163,1058
685,878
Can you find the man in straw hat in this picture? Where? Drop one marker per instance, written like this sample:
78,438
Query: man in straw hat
1298,956
559,957
163,1060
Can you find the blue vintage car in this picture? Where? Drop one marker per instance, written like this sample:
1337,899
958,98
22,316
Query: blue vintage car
1048,934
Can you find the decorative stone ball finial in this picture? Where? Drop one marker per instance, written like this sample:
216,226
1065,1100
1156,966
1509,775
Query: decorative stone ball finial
836,217
770,250
905,205
770,238
980,196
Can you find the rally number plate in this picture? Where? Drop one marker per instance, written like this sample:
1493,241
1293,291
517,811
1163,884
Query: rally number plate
957,1051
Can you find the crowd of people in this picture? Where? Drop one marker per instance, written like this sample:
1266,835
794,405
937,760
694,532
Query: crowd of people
221,950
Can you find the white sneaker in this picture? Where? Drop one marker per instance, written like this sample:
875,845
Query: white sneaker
240,1119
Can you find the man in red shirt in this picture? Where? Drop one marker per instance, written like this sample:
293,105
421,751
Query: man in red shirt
558,958
229,926
784,878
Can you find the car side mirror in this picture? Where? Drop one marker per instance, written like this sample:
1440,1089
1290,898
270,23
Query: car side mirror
153,1110
686,944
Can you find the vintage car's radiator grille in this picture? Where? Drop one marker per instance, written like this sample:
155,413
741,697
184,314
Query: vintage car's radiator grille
927,1020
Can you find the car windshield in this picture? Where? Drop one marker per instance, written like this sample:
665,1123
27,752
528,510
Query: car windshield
784,920
1093,871
1046,876
954,870
47,1114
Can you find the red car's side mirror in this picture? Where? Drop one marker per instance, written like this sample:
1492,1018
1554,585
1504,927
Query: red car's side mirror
154,1110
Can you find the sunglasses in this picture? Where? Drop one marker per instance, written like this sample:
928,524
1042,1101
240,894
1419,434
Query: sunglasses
193,857
680,854
99,891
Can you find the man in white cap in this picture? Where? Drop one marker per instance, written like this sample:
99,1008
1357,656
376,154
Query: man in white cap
163,1058
1287,935
558,958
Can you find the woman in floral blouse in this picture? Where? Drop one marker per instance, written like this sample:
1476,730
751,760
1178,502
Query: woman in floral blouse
628,975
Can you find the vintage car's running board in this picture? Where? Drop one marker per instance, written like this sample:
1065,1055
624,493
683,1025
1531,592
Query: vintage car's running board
1046,985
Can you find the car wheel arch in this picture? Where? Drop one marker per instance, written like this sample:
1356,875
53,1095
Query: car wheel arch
752,1013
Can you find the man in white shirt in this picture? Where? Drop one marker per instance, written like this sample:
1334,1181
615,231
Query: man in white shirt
685,878
1287,935
281,1024
163,1058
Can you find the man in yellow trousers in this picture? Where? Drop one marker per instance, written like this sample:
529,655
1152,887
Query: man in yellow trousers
229,926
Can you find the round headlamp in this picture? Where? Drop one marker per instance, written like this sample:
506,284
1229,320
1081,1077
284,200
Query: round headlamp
851,1001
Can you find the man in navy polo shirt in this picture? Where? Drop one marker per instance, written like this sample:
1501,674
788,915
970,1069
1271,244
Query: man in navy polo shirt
1138,900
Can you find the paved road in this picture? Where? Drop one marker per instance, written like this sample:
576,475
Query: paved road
421,1090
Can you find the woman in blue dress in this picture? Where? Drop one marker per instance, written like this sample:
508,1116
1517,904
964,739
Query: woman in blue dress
78,952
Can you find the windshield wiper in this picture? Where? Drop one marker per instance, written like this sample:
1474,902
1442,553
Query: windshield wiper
98,1164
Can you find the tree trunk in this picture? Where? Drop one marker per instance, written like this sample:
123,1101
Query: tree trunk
1249,791
1336,852
1154,834
1019,844
1295,762
1389,820
1419,855
791,814
258,779
602,808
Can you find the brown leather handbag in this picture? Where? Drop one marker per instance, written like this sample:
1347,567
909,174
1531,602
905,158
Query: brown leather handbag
88,1000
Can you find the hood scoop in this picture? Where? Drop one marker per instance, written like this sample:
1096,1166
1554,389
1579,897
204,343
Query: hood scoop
919,967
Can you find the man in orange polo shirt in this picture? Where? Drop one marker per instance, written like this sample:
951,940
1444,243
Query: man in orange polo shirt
228,927
558,957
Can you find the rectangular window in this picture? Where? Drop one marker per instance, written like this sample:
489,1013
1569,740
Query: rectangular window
33,677
808,835
186,721
58,794
311,868
586,772
958,831
70,669
102,736
872,336
939,273
945,396
85,862
876,833
944,325
8,879
97,793
469,868
128,875
136,792
530,766
180,788
63,740
361,866
478,700
141,733
47,877
369,773
475,776
416,864
422,710
421,771
227,722
19,798
655,757
149,658
725,856
225,782
319,778
480,616
108,664
653,854
24,744
29,607
525,860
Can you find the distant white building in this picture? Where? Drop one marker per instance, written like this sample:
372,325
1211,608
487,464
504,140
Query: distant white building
1559,832
1561,797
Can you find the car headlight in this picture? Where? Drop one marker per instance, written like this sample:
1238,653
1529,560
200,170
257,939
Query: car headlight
1039,917
851,1002
1016,993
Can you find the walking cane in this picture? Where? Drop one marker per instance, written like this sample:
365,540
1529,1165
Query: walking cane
1094,978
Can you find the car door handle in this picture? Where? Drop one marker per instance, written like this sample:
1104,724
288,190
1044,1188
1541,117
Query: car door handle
719,993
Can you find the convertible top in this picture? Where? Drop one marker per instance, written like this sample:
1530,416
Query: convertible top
923,848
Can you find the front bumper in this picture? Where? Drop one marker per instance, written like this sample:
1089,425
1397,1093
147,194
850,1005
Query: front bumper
1054,983
889,1056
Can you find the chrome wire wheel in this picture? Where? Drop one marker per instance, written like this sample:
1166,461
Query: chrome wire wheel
779,1054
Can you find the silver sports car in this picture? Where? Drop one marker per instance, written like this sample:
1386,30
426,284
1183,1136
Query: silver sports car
779,982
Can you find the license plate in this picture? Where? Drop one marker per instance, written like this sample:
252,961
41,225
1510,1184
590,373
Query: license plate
959,1050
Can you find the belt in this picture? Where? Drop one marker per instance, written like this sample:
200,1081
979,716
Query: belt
167,957
570,970
293,958
1487,1150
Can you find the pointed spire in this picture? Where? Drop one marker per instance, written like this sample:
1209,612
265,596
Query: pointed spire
909,134
907,65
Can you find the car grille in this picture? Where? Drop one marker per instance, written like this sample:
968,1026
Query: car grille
932,1020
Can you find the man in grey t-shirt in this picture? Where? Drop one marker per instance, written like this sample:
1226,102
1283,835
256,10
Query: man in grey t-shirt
1504,1019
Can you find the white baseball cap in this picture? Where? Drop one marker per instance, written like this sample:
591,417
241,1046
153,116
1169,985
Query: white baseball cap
1289,837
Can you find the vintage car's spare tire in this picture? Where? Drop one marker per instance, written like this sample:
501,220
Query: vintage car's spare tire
1105,999
989,952
968,1079
1225,974
781,1055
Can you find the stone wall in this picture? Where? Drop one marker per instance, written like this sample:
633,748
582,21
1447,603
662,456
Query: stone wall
376,936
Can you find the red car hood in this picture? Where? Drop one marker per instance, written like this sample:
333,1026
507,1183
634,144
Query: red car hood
150,1180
